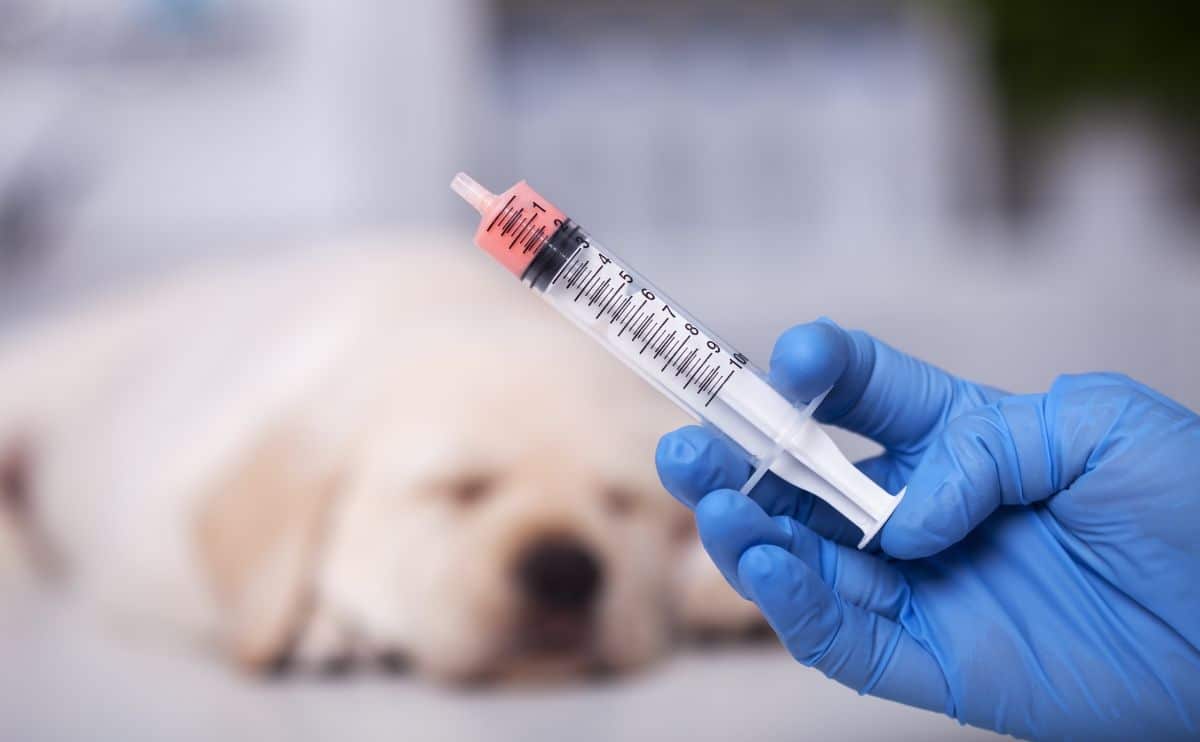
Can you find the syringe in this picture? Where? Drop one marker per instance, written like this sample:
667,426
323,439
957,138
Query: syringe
678,355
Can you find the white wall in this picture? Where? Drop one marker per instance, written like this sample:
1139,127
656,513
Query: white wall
278,120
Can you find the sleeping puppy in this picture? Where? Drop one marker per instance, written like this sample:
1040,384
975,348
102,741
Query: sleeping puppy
384,454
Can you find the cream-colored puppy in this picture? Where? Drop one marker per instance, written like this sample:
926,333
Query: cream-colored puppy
384,453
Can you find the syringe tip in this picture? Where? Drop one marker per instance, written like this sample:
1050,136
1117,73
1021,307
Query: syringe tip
473,193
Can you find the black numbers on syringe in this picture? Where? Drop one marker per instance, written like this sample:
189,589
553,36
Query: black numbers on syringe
658,336
737,360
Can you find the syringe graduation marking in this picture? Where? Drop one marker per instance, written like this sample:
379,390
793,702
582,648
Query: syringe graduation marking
584,275
522,227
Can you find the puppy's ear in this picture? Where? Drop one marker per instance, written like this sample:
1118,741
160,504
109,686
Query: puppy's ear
259,534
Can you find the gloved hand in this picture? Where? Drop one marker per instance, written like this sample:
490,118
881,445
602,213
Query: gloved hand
1041,576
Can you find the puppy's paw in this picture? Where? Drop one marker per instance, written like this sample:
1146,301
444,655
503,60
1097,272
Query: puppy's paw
325,646
331,647
707,608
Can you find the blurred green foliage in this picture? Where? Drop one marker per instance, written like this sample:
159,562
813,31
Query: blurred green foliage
1048,55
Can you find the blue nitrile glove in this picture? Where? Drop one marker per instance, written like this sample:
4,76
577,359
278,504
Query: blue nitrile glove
1041,576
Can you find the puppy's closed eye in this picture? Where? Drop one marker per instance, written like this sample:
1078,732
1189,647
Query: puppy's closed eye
620,501
469,489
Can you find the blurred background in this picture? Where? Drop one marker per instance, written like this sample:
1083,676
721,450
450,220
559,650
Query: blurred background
1006,187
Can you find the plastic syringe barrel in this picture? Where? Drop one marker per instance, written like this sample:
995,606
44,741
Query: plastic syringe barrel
668,347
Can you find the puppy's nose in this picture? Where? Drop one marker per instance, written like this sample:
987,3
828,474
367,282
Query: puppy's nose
559,574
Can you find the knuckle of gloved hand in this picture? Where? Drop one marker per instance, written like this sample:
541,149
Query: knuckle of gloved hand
718,507
817,553
968,437
1067,384
692,460
1090,403
797,604
813,636
727,519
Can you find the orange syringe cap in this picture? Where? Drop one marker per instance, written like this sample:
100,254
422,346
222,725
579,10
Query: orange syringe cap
513,225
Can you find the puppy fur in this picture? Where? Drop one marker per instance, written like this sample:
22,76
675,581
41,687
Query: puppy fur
345,456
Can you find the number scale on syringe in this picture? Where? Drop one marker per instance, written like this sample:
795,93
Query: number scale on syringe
652,331
652,335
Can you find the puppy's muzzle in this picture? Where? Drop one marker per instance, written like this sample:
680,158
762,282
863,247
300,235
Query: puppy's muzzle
559,580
